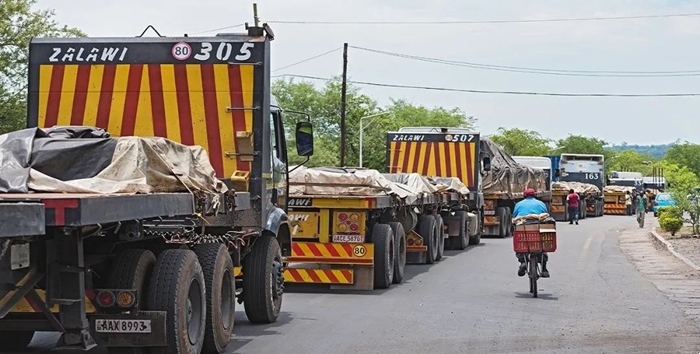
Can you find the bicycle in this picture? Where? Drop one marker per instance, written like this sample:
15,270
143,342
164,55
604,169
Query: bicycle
534,270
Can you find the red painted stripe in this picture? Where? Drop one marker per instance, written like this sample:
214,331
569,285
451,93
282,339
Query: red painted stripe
331,249
106,93
296,250
348,250
314,250
236,88
59,206
211,112
155,81
470,166
405,158
183,105
54,95
131,103
417,158
314,277
347,274
295,274
448,160
81,88
436,155
33,304
428,157
331,276
458,160
395,161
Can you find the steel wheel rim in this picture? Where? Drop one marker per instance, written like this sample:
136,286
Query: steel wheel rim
194,310
226,300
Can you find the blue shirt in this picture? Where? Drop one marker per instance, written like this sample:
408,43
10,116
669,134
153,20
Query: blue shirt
529,206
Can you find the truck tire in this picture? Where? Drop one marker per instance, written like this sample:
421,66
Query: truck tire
440,232
15,340
263,281
221,295
509,222
461,241
384,256
177,286
132,270
400,251
426,228
583,210
501,216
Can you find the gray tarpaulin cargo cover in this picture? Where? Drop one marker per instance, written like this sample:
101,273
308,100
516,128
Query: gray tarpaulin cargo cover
87,160
506,175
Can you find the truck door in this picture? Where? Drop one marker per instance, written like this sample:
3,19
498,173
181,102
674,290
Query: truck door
279,161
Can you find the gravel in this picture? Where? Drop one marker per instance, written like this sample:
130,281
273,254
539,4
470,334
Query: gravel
689,247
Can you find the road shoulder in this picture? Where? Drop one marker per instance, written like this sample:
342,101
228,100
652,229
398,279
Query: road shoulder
679,281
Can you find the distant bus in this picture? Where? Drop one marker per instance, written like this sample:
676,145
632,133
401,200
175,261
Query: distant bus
583,168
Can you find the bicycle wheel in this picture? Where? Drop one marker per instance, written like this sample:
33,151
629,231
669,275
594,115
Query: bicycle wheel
534,274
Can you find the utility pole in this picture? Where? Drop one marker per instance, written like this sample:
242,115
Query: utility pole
342,105
256,19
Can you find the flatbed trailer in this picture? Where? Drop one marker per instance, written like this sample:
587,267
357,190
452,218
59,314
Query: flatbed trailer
590,205
498,211
364,242
159,270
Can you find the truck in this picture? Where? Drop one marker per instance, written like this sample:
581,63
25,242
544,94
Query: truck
588,194
583,168
540,163
356,229
494,179
615,199
627,179
138,270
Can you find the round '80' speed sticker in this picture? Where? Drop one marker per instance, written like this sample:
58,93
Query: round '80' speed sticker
182,51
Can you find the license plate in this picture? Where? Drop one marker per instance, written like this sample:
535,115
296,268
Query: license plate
19,256
123,326
489,212
349,238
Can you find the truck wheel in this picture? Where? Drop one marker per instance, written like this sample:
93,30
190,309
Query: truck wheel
221,295
263,281
400,251
384,256
501,216
426,228
462,239
177,286
15,340
440,235
509,222
132,270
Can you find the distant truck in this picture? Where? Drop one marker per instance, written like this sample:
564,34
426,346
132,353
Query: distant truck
540,163
495,180
627,179
582,168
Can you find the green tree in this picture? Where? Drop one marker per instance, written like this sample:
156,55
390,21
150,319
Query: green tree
19,23
578,144
521,142
685,154
323,105
631,160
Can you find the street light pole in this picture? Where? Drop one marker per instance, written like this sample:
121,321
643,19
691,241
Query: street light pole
362,130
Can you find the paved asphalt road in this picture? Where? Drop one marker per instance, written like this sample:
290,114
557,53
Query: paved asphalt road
473,302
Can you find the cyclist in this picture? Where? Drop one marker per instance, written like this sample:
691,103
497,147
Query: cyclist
530,205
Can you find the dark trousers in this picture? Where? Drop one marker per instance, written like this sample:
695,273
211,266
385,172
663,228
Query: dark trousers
573,214
521,258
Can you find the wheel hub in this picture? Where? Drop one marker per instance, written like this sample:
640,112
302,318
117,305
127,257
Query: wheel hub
277,279
188,308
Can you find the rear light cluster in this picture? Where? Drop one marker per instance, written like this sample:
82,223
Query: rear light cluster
417,242
123,299
348,222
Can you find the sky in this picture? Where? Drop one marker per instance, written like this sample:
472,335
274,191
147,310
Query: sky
661,44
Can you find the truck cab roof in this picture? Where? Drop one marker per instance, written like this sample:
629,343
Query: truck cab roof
436,130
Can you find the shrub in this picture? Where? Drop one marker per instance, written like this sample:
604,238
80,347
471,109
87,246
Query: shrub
674,211
670,223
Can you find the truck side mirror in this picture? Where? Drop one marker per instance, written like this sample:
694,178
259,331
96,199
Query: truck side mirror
487,163
305,139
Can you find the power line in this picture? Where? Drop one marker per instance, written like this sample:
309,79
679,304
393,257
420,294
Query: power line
521,93
475,22
219,29
526,70
308,59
